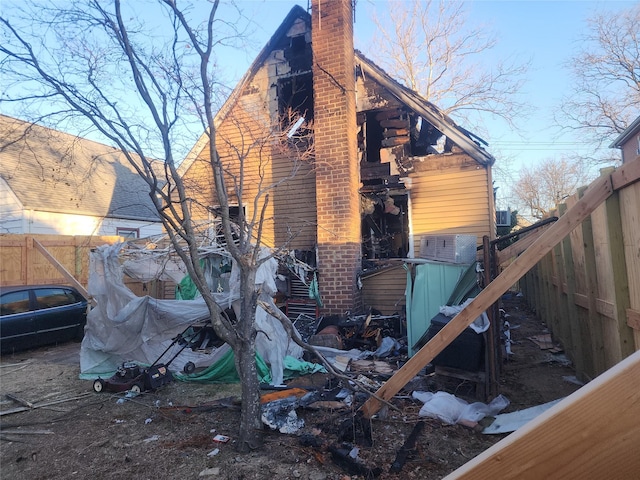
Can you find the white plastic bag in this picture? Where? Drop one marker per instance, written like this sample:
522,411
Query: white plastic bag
451,409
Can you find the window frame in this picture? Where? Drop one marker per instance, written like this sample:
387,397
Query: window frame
128,231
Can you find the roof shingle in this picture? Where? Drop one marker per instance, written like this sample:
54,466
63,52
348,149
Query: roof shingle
49,170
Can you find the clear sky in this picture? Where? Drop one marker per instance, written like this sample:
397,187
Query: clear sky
545,31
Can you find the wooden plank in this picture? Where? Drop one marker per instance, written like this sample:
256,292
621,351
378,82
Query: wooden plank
597,192
633,319
546,313
593,433
626,175
630,218
47,404
582,256
566,308
70,278
581,300
605,274
620,290
27,266
608,309
573,313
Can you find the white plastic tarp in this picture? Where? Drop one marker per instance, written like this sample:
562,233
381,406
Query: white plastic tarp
124,327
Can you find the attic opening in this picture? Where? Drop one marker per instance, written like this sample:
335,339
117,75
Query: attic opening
298,54
427,139
295,101
385,225
405,132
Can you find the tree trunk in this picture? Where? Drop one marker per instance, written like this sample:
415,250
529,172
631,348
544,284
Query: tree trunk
250,432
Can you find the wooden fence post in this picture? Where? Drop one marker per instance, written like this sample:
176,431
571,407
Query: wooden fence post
630,220
570,308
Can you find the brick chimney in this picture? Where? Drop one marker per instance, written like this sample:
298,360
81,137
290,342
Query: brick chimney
337,169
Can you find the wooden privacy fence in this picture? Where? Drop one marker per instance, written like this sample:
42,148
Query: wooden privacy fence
50,259
587,288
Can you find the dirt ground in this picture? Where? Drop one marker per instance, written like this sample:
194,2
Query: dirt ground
67,431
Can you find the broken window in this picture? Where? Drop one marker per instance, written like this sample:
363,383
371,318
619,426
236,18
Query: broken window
295,101
216,232
385,226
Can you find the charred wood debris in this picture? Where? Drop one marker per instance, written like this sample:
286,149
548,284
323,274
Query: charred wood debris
367,348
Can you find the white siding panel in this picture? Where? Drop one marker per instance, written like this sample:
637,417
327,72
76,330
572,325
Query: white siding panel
11,210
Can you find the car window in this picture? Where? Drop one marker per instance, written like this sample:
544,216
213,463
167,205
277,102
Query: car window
54,297
14,302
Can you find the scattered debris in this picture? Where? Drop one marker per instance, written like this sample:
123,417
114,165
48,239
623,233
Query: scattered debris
371,366
510,422
573,379
279,395
450,409
21,401
46,404
545,342
27,432
226,402
341,456
281,415
407,449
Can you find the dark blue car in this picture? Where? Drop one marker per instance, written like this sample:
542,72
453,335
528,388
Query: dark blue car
33,316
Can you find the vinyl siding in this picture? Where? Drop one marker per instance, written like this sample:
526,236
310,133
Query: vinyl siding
451,200
245,134
385,290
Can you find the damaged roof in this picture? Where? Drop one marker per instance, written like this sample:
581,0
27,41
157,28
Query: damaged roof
51,171
467,141
427,110
295,14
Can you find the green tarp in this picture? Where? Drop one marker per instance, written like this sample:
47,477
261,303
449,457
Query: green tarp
224,370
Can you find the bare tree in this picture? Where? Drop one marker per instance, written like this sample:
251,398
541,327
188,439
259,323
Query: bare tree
605,96
543,187
138,84
432,49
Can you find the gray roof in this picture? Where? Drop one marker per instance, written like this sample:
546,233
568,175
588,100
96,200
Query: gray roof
626,134
53,171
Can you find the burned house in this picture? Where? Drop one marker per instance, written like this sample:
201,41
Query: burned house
366,168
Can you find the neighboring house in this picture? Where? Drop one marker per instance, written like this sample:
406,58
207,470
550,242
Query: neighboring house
55,183
389,167
629,142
